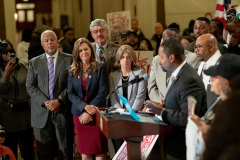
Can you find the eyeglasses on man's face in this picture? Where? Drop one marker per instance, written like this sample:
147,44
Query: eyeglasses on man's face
200,46
100,30
8,51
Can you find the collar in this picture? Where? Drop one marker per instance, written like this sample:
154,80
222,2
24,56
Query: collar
214,56
175,73
104,46
55,55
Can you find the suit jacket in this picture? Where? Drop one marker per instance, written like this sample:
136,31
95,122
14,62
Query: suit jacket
109,54
136,91
97,84
37,88
221,47
188,83
157,79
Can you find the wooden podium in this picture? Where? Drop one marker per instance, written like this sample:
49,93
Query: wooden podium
132,131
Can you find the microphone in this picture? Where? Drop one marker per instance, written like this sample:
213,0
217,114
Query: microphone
135,80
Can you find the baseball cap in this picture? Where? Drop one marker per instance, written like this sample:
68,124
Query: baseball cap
227,66
131,32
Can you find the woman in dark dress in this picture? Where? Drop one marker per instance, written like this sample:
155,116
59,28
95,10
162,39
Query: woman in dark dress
87,89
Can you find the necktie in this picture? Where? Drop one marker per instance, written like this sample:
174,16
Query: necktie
51,76
101,57
169,81
201,75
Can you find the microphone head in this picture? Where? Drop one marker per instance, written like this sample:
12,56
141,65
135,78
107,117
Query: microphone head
145,76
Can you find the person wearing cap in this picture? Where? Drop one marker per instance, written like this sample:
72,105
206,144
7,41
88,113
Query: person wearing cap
5,151
226,68
135,28
132,39
105,50
207,51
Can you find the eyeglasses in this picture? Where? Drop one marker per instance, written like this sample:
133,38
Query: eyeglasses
200,46
131,37
8,51
100,30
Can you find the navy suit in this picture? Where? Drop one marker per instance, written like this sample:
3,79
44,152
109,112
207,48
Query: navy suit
97,84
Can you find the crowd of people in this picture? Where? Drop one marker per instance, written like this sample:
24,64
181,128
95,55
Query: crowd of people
55,82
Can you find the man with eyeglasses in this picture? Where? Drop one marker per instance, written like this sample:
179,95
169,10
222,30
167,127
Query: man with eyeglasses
132,39
105,51
202,26
207,51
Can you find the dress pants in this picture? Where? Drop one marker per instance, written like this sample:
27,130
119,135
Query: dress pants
51,138
25,138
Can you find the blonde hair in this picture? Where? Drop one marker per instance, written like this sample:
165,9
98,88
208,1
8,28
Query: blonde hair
130,50
77,64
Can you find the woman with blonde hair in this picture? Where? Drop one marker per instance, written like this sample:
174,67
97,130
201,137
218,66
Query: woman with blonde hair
127,70
87,89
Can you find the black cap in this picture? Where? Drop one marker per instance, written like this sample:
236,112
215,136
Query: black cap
227,66
131,32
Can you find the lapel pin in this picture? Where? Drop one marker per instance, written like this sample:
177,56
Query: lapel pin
89,76
78,76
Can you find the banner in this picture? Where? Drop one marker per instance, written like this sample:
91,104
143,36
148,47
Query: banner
118,23
144,60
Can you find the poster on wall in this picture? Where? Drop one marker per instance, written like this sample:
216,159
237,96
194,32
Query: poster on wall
118,23
144,60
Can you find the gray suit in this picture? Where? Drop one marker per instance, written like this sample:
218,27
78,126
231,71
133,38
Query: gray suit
47,124
157,78
109,53
136,92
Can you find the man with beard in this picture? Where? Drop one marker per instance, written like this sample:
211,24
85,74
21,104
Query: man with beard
207,51
202,26
105,51
183,82
132,39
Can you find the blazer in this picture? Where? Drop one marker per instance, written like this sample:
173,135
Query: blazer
188,83
136,91
37,88
157,79
97,85
109,53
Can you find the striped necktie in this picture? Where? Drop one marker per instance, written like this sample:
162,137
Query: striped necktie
101,57
51,76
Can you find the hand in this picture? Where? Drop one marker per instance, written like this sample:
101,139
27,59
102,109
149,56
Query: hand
84,118
154,106
10,67
53,105
122,41
91,109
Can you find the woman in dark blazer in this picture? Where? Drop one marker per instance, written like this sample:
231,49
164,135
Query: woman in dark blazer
87,89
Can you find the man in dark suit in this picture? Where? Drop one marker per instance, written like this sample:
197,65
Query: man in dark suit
183,82
105,51
46,83
202,26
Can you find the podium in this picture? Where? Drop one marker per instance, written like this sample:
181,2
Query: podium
122,126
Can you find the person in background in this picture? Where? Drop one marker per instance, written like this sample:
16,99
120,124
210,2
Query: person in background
216,28
189,31
22,47
157,37
145,45
135,28
174,25
68,40
46,84
186,40
5,152
104,50
58,32
15,111
35,48
87,89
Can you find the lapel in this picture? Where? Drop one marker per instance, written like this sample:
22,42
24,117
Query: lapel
59,64
89,79
44,67
131,77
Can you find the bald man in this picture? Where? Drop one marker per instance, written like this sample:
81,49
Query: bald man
207,52
156,38
202,26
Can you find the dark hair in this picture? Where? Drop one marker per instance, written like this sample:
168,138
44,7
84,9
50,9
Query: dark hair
191,23
204,19
3,49
231,16
150,48
189,38
173,46
26,35
219,24
65,30
174,25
